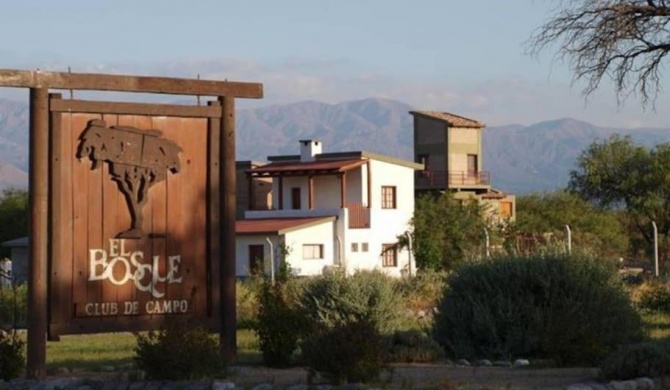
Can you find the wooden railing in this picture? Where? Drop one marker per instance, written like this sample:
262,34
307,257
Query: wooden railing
359,216
444,179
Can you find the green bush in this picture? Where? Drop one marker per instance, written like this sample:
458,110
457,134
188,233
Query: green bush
12,361
412,346
423,291
348,352
654,296
180,350
336,299
13,305
246,293
648,359
572,309
279,323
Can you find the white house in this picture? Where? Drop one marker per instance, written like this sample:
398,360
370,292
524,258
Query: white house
341,210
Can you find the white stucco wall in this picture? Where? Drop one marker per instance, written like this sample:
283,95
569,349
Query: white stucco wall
321,234
385,224
242,243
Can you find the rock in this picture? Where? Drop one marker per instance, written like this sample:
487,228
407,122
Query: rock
578,386
421,314
324,387
483,363
137,386
220,385
115,385
297,387
436,310
262,386
62,383
521,363
645,383
623,385
462,363
502,363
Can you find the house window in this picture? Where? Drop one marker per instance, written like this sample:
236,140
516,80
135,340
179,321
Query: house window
364,246
472,165
389,255
312,251
256,255
354,247
506,209
388,197
295,198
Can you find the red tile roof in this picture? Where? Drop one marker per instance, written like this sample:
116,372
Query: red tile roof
276,226
296,167
451,119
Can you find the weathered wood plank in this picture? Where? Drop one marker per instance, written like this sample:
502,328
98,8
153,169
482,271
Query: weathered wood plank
148,109
127,83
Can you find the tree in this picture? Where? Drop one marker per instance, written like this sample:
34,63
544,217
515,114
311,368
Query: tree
592,228
618,174
624,40
14,216
445,230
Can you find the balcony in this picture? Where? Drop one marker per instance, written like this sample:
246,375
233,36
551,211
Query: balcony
359,216
451,179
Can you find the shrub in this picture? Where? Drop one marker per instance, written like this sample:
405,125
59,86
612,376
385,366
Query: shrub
246,292
654,296
648,359
423,291
180,350
279,322
13,305
336,299
572,309
412,346
11,356
348,352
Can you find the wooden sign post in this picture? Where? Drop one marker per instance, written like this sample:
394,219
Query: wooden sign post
132,207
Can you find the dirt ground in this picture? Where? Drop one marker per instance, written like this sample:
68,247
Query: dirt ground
424,376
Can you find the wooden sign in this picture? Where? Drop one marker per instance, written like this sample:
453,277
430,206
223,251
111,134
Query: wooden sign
134,232
132,207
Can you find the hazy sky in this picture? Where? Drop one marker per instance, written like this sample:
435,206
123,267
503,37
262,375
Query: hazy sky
461,56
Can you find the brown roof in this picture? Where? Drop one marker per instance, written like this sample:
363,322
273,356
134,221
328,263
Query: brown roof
276,226
301,168
451,119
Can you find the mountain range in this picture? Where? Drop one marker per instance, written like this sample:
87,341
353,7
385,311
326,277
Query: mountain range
521,159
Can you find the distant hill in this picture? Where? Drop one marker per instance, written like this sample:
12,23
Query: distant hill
521,159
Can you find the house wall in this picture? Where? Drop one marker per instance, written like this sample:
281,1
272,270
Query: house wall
242,243
464,141
430,138
385,224
262,195
6,270
20,264
321,234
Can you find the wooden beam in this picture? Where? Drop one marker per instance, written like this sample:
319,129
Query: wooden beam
310,193
127,83
369,184
280,195
37,247
227,196
118,108
343,189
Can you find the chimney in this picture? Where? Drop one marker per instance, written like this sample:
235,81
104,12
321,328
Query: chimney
309,149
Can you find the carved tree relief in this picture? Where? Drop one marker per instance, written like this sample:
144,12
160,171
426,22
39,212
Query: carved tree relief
137,160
